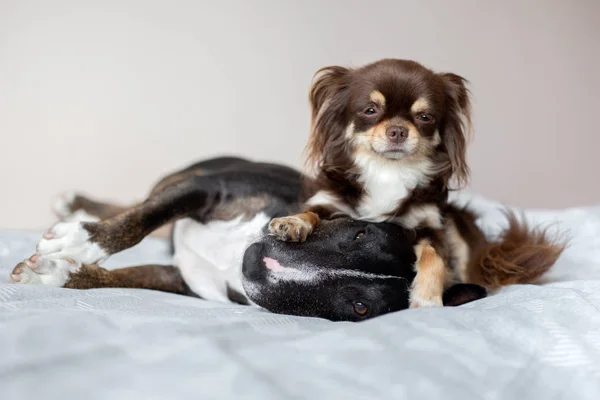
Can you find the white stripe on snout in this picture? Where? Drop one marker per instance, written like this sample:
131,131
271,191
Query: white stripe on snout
361,274
293,274
317,275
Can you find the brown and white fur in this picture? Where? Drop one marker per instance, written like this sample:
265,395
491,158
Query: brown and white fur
387,139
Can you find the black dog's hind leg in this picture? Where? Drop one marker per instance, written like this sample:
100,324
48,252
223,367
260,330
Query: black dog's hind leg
91,242
221,195
65,273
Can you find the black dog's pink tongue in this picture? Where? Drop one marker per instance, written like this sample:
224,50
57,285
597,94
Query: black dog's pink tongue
273,264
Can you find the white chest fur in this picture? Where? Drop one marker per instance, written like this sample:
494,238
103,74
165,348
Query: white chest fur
387,183
210,255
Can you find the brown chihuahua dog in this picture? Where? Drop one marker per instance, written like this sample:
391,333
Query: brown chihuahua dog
386,141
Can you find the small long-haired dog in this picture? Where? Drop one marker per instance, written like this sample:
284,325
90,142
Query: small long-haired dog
387,140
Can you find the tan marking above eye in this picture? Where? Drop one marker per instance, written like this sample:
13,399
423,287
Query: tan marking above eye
377,97
420,106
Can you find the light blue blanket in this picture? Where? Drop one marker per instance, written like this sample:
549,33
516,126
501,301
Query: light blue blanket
526,342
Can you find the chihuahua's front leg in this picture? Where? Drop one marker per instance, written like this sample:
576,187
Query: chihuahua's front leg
428,286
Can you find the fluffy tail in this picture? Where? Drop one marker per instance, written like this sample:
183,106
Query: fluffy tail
520,255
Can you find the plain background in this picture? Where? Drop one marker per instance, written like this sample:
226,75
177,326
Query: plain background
106,96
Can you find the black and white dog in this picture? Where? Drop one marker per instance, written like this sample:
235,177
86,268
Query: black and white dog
347,270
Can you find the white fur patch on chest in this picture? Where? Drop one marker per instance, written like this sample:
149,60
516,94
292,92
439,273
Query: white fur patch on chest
387,184
210,255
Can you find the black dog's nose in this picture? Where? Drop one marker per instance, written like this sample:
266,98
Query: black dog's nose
253,266
396,134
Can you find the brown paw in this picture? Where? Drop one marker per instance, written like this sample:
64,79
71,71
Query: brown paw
290,229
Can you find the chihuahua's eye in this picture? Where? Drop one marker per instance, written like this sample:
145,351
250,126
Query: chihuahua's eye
360,308
359,235
427,118
370,111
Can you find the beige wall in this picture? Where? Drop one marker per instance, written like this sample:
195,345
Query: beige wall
106,96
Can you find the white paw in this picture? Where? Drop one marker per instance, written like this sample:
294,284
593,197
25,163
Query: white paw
63,208
62,204
43,271
70,240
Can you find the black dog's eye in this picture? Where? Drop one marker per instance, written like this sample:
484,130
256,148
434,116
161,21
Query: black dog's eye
360,308
370,111
425,118
360,234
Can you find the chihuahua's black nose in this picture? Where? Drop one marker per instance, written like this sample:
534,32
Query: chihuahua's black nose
396,134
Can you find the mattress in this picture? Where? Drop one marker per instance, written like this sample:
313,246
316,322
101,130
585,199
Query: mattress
524,342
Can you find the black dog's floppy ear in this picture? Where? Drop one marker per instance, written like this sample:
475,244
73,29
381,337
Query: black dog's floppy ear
462,293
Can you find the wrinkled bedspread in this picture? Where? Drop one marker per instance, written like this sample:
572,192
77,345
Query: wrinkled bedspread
525,342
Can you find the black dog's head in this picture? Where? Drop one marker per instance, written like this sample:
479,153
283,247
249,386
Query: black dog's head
347,270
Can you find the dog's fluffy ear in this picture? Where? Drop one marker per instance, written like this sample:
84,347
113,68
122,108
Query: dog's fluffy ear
328,99
457,126
462,293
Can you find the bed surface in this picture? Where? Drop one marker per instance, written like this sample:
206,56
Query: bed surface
525,342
